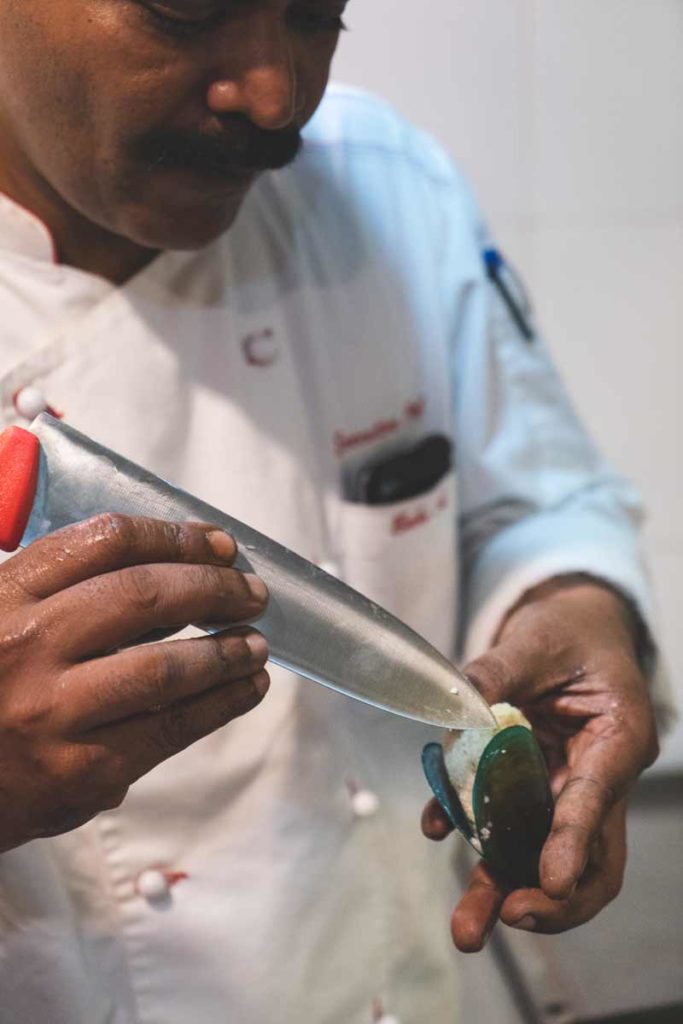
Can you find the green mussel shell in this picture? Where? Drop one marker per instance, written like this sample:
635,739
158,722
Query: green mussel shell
513,805
512,802
443,789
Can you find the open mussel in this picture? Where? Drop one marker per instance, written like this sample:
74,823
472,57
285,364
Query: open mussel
494,787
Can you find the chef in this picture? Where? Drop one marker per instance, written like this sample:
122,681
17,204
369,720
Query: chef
268,323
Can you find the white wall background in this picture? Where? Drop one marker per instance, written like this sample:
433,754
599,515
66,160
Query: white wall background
568,117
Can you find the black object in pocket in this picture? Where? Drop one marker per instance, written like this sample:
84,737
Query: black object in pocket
406,475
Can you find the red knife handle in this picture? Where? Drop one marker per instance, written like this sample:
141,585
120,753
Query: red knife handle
19,464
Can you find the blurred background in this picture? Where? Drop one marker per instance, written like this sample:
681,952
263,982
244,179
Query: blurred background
567,116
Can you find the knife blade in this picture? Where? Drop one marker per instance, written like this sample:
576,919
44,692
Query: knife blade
315,624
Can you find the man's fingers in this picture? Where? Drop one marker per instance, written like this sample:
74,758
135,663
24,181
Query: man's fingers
578,817
435,822
140,743
487,898
477,912
103,613
602,775
136,681
533,910
106,543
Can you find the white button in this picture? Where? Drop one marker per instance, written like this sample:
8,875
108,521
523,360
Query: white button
153,884
260,348
30,402
364,803
388,1018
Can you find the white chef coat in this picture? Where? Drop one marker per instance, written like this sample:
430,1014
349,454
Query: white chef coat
346,314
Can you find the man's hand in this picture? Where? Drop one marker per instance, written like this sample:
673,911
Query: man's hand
82,715
566,656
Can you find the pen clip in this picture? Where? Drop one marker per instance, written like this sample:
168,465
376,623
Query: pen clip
494,263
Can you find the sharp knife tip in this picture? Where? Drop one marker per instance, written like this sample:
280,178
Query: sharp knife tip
475,716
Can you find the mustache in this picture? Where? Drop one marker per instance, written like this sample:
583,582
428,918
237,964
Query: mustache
239,148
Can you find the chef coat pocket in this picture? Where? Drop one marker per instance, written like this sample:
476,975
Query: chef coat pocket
404,557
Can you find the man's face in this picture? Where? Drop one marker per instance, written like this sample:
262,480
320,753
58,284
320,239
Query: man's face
151,118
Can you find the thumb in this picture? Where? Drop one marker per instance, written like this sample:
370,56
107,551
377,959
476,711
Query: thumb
509,672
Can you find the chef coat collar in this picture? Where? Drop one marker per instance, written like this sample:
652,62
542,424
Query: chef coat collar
23,233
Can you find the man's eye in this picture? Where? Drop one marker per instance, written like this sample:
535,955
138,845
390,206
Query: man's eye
189,13
309,18
181,16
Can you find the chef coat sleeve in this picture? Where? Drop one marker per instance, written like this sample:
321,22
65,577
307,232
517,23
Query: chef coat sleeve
537,499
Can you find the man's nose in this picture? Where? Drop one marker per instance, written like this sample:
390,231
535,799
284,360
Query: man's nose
258,78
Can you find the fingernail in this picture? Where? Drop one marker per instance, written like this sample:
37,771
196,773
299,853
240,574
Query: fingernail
222,545
261,683
258,645
257,587
526,923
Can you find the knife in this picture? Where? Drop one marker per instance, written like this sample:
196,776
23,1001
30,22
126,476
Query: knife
52,476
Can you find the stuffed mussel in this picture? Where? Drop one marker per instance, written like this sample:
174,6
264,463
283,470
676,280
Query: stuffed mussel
494,787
